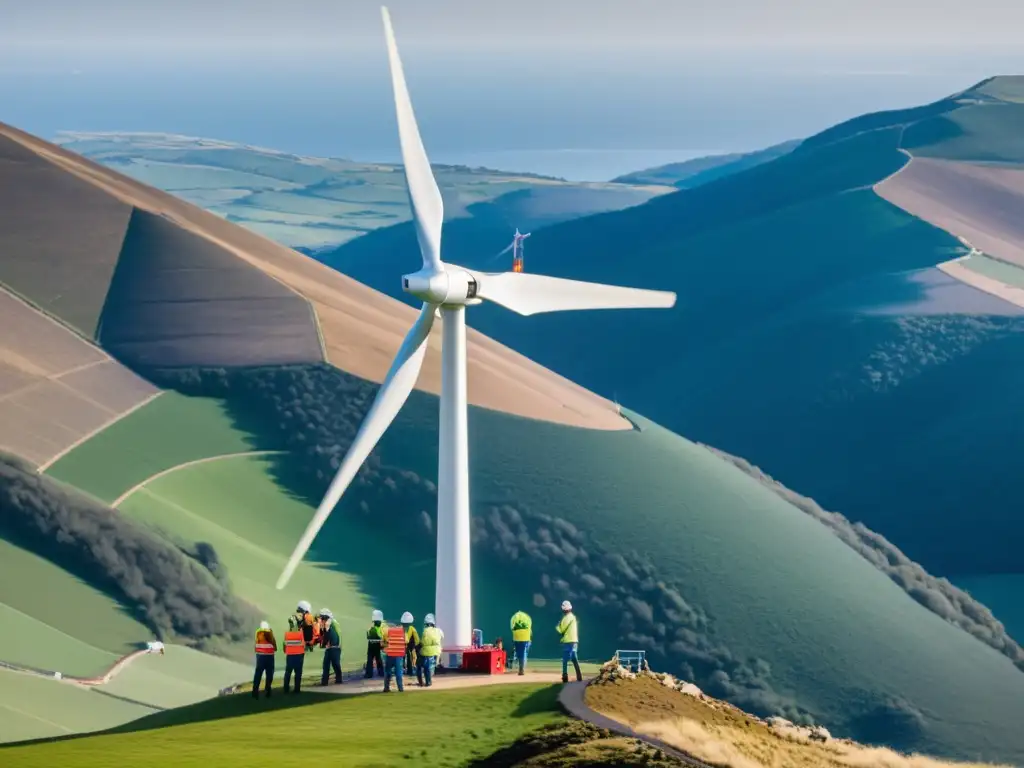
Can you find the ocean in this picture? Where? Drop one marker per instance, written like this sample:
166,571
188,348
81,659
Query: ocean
578,122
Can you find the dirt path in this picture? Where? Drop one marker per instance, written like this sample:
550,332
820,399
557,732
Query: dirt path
119,666
573,699
168,471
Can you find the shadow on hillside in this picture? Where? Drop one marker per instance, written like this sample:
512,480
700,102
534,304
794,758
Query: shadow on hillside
542,700
220,708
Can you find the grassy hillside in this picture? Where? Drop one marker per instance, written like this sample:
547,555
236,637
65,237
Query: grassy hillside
659,542
374,730
37,708
53,621
126,453
711,579
811,334
178,678
701,170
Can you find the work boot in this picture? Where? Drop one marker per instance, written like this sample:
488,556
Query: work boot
579,677
255,693
565,678
521,673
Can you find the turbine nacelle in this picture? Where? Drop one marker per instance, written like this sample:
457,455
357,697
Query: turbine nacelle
448,286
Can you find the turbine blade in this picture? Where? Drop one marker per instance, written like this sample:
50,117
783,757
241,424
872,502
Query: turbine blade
424,195
502,252
391,396
530,294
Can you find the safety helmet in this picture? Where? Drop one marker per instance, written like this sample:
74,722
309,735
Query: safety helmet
429,619
264,625
305,606
407,618
566,605
377,616
326,613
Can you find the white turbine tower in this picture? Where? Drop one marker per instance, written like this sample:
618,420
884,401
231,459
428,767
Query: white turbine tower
446,290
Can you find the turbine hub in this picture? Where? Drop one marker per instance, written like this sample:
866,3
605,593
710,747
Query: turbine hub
447,286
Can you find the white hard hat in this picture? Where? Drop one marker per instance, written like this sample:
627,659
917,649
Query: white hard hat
566,605
264,625
378,616
407,618
305,606
429,619
326,613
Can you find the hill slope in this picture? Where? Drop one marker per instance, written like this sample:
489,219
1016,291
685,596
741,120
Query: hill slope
813,333
701,170
661,543
313,203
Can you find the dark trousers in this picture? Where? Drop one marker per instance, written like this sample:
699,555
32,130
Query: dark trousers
427,665
264,665
394,668
522,650
332,660
372,658
409,666
293,666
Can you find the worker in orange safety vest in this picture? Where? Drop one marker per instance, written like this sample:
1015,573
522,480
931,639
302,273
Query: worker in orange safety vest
266,647
294,655
394,650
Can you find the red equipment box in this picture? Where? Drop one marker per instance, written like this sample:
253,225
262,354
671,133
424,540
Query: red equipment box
487,661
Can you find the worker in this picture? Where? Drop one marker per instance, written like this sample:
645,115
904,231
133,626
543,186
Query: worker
374,640
295,648
429,651
394,663
569,636
302,620
330,641
412,641
266,647
522,634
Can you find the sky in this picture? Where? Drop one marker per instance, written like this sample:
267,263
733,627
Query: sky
651,80
810,24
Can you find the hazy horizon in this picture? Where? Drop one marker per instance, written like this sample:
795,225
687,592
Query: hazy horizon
542,85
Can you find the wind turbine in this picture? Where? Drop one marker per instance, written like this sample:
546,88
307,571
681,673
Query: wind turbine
446,290
516,246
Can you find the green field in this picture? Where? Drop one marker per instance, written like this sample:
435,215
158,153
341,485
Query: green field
235,505
983,133
179,677
52,621
173,176
36,708
168,431
996,269
442,728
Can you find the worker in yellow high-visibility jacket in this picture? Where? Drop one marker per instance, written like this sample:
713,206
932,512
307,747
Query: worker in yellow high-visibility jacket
431,641
569,636
522,634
